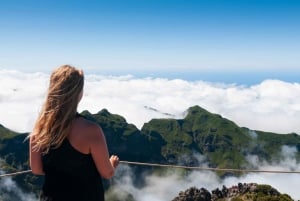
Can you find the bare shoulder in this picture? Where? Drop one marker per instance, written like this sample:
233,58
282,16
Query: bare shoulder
81,121
90,129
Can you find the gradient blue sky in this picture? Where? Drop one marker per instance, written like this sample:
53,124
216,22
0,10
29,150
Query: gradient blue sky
230,40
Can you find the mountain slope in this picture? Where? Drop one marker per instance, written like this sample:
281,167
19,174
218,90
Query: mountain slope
224,144
167,141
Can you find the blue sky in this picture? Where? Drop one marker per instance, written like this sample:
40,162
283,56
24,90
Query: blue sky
231,41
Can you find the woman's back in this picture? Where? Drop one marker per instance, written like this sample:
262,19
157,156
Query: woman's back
70,172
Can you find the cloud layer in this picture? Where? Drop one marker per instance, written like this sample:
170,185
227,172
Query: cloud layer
271,105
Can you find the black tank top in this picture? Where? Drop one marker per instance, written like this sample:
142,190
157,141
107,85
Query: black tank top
70,176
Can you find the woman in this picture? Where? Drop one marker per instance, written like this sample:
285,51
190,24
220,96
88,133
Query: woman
68,149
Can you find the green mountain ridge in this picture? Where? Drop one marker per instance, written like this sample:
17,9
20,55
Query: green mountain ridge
166,141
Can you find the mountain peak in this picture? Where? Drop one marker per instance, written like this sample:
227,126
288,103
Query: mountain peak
199,111
104,112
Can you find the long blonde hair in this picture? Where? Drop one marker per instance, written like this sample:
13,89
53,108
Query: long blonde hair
59,109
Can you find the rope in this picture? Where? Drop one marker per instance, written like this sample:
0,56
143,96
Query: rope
15,173
206,168
182,167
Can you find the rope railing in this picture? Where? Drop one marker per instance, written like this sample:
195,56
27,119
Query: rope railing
182,167
207,168
15,173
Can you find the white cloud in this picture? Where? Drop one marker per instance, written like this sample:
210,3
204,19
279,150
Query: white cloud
284,182
167,186
163,186
270,106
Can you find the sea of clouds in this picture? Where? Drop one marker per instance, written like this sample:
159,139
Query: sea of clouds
271,105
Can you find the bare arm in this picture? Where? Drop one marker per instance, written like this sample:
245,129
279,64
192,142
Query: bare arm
35,159
105,165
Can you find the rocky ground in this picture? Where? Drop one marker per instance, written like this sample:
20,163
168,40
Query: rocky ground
240,192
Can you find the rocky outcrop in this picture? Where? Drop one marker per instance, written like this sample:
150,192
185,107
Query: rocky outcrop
194,194
237,190
252,190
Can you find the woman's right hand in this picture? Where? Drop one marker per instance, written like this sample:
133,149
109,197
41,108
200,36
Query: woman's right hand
114,160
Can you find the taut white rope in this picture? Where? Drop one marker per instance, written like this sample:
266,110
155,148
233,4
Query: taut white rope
15,173
182,167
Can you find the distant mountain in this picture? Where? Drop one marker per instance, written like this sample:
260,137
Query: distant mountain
223,142
175,141
168,141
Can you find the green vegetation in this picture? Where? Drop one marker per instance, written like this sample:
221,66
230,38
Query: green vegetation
167,141
224,144
118,195
266,193
6,133
236,199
